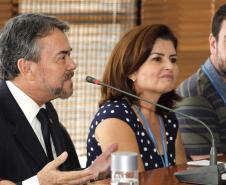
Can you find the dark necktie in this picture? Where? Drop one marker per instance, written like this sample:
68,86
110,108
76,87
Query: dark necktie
44,120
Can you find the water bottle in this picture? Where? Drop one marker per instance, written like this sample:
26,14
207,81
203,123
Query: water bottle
124,168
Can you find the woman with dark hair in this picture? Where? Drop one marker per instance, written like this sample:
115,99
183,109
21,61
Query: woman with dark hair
142,63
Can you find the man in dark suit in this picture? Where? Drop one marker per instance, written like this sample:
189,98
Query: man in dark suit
35,68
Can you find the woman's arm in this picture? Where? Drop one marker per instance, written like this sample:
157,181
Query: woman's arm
113,130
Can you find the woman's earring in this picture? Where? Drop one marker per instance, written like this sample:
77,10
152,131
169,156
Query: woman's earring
133,80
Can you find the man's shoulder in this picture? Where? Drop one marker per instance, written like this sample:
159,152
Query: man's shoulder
193,91
193,101
194,85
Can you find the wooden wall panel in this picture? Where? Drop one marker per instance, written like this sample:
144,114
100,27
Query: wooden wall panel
8,9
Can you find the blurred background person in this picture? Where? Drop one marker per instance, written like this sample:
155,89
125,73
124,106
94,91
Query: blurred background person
204,96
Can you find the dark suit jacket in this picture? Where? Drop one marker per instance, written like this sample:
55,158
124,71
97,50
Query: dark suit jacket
21,154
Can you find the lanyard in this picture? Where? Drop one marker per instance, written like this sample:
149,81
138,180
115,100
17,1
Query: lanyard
215,79
152,137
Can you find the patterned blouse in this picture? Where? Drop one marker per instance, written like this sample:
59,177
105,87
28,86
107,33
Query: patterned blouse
121,109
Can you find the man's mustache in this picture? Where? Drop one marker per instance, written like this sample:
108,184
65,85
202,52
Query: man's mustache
68,75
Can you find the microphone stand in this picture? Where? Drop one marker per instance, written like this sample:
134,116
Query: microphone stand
203,175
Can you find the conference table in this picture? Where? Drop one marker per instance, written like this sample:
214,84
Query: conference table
160,176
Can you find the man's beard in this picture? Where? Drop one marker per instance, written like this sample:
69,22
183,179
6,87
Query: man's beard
221,66
60,92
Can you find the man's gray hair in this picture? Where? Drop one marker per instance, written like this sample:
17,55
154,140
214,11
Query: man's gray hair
18,39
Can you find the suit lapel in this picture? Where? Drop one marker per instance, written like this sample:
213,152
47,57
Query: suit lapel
29,141
57,135
23,131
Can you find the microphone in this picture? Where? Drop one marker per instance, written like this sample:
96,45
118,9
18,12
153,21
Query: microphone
202,175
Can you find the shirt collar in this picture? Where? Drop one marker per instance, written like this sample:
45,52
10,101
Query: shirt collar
215,79
214,74
29,107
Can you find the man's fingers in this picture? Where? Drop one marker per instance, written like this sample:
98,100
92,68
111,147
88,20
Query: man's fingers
102,163
112,148
75,177
70,175
58,161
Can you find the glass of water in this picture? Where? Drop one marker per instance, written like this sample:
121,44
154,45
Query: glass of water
124,168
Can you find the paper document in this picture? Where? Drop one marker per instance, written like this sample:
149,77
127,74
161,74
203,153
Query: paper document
201,163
